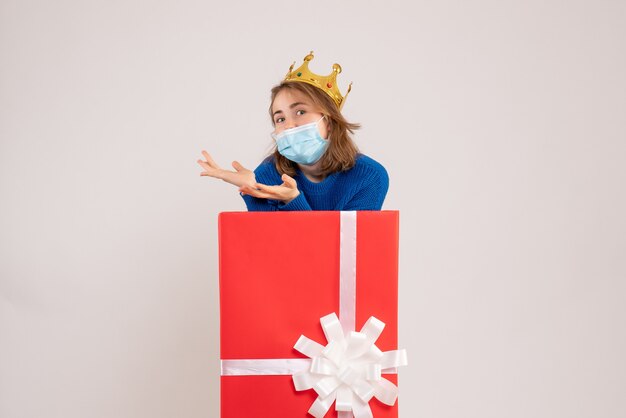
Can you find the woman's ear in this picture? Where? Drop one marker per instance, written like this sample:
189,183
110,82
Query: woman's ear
329,126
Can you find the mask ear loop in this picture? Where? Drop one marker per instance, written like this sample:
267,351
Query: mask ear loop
327,128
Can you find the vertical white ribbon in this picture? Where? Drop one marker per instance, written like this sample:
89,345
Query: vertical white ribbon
347,279
347,272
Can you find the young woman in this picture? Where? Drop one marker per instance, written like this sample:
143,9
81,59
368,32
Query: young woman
315,165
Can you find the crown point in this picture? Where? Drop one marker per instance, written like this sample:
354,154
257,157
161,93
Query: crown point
309,57
337,68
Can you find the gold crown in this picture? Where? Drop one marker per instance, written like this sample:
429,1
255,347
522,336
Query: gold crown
326,83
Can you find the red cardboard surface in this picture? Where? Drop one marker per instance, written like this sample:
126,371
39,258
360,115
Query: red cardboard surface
279,274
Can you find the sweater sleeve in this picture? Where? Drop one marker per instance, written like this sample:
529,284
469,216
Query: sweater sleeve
299,203
255,204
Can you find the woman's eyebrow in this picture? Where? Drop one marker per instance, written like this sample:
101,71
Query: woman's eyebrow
291,106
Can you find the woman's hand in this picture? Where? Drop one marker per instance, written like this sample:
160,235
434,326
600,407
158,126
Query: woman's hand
286,192
240,177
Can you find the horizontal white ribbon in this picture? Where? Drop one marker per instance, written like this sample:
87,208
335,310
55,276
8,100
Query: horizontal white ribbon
272,367
284,366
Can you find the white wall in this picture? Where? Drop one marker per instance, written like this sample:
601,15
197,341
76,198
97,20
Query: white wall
502,125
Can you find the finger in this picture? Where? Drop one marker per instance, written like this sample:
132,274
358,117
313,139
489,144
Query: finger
207,168
210,171
289,181
247,189
254,192
264,192
237,166
266,188
209,160
211,174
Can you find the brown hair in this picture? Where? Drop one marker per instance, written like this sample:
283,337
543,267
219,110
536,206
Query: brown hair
341,152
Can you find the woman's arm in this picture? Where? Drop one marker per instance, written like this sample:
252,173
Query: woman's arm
273,192
255,204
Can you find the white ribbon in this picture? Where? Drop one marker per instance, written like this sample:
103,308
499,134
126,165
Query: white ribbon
347,271
272,367
347,371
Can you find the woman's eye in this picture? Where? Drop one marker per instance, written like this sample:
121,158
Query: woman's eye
280,120
300,112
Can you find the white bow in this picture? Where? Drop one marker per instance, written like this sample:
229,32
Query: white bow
348,369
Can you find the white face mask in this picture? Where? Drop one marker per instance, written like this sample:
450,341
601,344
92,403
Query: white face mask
302,144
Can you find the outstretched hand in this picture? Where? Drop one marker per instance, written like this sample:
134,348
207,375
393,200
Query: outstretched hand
240,177
285,192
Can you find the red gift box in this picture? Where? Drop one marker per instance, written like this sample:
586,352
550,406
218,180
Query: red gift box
279,274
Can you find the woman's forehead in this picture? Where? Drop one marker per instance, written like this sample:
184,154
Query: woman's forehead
287,97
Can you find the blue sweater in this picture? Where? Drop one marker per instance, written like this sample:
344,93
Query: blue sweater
363,187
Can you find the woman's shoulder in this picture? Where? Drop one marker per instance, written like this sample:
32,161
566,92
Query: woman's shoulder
367,165
267,165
